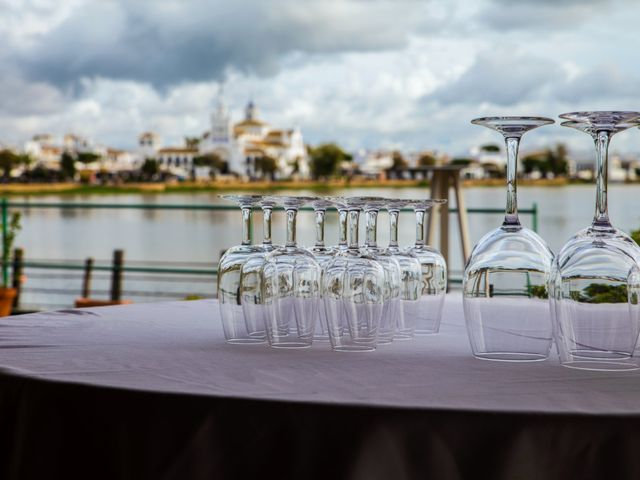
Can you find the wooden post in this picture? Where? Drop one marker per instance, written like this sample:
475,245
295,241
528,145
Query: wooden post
463,222
116,275
18,263
86,280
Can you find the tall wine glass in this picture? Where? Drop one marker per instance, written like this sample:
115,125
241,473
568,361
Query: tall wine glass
505,283
353,292
434,273
597,282
391,310
236,329
291,286
410,274
323,256
251,291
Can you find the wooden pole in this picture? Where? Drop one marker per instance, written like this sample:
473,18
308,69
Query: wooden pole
18,264
86,280
116,275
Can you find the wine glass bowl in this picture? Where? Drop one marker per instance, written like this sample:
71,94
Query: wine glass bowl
291,286
237,328
434,273
353,291
506,278
596,283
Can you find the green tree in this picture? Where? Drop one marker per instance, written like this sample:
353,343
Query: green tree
490,148
426,160
462,161
267,166
192,142
8,161
88,157
150,168
399,163
68,166
326,159
212,160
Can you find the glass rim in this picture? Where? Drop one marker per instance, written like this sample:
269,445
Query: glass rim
592,113
514,119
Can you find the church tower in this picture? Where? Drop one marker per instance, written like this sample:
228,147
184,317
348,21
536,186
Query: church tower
220,122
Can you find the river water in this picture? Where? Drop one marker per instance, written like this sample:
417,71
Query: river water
195,238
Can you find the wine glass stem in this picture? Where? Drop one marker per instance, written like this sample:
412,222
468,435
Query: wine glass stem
291,227
354,220
320,228
393,227
246,225
342,240
266,225
601,218
420,213
371,218
511,214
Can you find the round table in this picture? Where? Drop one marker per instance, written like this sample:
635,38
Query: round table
153,391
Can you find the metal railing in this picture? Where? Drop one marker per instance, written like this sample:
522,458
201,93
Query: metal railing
6,205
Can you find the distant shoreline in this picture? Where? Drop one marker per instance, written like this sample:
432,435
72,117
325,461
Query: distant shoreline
257,187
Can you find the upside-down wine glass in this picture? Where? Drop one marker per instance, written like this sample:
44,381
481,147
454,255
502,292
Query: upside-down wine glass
353,292
251,272
291,286
505,285
597,282
410,274
434,273
391,309
323,256
236,329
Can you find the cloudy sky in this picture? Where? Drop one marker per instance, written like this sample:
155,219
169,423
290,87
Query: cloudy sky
407,74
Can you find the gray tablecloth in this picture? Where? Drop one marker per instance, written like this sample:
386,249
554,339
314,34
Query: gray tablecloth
179,347
152,391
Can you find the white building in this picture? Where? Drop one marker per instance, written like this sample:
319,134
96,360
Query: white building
241,144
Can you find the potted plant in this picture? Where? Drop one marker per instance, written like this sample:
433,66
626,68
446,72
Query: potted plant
8,293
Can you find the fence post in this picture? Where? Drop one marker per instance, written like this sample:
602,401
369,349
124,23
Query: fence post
5,233
116,275
86,280
18,261
534,222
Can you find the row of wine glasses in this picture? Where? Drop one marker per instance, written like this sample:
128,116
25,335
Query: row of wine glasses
518,297
353,295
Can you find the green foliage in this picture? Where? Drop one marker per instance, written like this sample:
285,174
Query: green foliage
490,148
212,160
635,234
462,161
88,157
8,160
266,165
551,160
539,291
426,160
601,293
150,168
399,163
326,159
7,247
192,142
68,166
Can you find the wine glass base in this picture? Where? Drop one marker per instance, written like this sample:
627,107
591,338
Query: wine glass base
601,366
511,357
426,332
354,348
403,336
290,345
385,341
247,341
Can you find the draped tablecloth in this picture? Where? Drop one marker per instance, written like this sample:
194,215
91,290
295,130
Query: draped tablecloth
153,391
